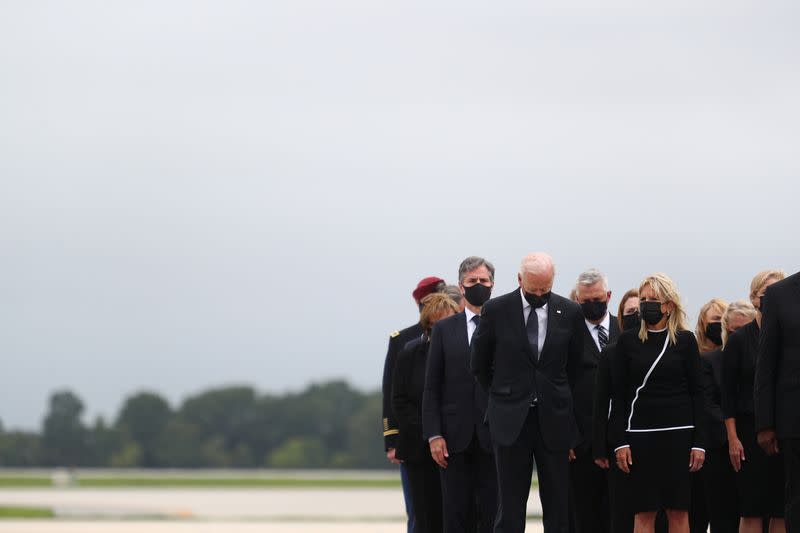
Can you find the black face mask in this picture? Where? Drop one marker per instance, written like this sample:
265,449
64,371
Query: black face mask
631,321
478,294
594,310
651,312
535,300
714,333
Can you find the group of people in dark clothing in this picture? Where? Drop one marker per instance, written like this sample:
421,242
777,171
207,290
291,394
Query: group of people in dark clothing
633,422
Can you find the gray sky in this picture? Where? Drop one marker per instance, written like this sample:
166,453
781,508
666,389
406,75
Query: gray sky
195,194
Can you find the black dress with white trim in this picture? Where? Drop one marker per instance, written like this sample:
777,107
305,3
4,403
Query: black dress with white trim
658,411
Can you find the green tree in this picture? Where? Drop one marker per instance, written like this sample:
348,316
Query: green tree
64,435
299,452
143,417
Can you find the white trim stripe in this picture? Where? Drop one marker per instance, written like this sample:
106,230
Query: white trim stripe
658,429
644,382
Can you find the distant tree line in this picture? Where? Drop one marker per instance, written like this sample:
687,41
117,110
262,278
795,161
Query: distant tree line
330,425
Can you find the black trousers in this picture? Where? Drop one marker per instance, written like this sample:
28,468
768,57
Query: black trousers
698,512
426,495
514,471
790,448
722,498
469,490
589,485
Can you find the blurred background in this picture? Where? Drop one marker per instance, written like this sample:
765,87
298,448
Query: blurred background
212,214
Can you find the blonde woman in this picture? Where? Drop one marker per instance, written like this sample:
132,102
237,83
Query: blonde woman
760,478
722,499
658,408
709,326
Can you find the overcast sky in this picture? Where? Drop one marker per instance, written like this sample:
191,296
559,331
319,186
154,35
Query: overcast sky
196,194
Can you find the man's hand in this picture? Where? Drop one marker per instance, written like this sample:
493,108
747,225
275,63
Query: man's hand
736,453
602,463
696,460
768,441
439,451
624,459
390,455
571,455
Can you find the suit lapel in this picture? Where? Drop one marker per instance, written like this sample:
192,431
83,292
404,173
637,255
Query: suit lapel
553,315
517,317
460,332
613,329
589,340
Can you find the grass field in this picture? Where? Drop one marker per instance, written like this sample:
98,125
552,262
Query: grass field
25,512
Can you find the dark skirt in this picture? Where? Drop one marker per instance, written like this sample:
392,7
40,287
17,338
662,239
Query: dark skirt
760,482
660,476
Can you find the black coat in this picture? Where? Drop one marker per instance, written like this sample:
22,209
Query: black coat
397,341
408,385
712,372
504,364
585,381
777,381
454,405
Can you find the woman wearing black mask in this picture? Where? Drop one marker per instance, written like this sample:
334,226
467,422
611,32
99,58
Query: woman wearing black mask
709,326
658,427
408,383
709,338
759,477
619,497
722,499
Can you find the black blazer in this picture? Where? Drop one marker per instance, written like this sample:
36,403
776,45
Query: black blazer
454,406
602,403
505,366
408,385
738,371
712,372
397,341
777,382
583,393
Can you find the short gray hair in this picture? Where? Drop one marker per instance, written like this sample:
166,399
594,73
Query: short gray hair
471,263
454,293
590,277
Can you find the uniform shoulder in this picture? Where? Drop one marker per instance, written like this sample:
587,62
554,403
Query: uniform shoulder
406,334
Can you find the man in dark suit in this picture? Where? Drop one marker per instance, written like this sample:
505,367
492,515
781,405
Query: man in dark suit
777,385
397,341
525,354
589,483
454,408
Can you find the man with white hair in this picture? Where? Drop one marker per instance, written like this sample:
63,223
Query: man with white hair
525,354
589,483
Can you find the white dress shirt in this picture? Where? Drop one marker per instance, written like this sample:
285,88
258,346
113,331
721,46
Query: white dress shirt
541,314
471,327
606,323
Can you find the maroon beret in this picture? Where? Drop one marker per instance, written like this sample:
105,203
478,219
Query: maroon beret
425,287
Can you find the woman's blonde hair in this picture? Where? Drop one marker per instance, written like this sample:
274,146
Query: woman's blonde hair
432,306
763,277
703,342
740,307
667,292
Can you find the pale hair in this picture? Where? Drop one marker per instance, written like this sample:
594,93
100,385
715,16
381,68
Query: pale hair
537,263
433,305
590,277
764,277
741,308
703,343
667,292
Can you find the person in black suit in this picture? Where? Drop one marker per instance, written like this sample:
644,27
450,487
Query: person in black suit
777,386
618,491
408,384
589,483
759,478
454,408
525,354
397,341
658,408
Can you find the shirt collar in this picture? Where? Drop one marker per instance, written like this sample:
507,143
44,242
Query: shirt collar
469,313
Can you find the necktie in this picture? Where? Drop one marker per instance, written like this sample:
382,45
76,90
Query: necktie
602,336
476,319
532,328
